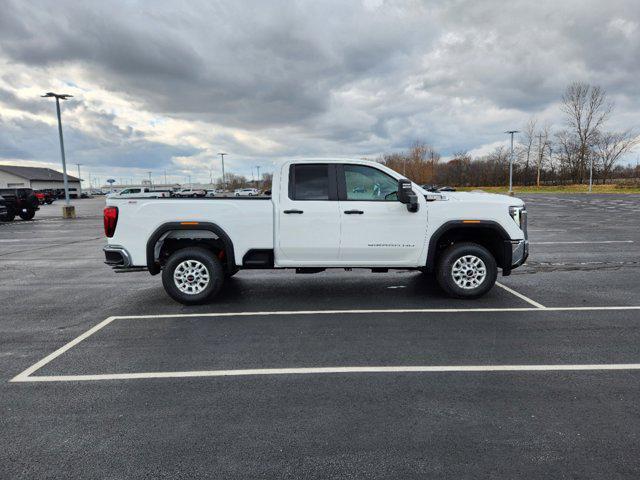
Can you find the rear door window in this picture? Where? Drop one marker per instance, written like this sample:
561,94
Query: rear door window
310,182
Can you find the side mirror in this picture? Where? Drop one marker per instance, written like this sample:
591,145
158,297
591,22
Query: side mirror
407,196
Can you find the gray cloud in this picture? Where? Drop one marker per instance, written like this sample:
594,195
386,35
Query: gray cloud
322,78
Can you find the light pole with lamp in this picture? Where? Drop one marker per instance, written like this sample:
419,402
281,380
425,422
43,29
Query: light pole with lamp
511,132
68,211
224,182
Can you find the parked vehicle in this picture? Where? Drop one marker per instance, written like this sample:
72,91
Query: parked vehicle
190,193
313,221
45,196
19,201
210,193
246,192
3,209
140,192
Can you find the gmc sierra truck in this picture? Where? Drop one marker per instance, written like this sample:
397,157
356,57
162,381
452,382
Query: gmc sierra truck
322,214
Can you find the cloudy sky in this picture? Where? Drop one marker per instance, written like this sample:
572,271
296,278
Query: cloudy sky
167,85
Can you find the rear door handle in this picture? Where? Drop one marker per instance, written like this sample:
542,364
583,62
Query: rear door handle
293,211
353,212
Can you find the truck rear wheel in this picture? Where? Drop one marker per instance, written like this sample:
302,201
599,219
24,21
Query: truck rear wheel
192,275
466,270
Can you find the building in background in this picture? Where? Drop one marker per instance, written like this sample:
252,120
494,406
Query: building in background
13,176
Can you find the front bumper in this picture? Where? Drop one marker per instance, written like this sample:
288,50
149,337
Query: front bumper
519,252
516,253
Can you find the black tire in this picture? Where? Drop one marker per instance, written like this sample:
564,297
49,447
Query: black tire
28,215
9,216
445,274
212,266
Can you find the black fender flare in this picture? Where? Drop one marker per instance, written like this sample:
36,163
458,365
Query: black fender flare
466,224
154,267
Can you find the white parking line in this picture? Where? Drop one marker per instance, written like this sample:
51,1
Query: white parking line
374,311
61,350
25,376
521,296
325,370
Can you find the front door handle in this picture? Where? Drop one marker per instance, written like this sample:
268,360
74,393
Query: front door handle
293,211
353,212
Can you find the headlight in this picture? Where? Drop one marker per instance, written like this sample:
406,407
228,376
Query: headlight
519,215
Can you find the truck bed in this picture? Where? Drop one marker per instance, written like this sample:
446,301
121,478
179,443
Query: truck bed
139,218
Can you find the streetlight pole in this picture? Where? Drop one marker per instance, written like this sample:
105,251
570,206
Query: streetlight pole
224,182
258,176
79,181
150,183
58,97
511,132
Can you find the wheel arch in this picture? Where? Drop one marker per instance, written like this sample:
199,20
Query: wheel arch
156,240
488,233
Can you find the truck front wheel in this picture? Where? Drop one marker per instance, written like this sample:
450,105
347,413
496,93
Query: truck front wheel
27,214
192,275
466,270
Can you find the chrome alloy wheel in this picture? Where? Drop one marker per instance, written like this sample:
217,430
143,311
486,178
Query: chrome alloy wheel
469,272
191,277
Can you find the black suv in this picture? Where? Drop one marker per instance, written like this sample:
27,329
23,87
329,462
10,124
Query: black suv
19,201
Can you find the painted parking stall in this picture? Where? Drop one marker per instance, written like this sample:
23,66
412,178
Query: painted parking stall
352,372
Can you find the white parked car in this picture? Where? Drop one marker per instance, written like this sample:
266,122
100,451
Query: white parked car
322,214
190,193
246,192
140,192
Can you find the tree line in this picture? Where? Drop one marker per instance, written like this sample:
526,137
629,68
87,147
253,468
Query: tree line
542,155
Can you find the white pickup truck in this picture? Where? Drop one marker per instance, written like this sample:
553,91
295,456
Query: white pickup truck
135,192
322,214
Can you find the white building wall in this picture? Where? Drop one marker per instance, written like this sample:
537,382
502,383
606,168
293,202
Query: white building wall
44,184
8,180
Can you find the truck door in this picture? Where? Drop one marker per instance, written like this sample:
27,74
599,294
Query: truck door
308,229
376,229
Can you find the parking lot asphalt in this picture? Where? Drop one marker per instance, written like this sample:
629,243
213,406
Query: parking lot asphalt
167,391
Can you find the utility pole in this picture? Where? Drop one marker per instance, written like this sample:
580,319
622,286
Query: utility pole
68,211
79,181
150,182
591,173
511,132
224,182
258,180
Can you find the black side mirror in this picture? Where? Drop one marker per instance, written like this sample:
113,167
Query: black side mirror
407,196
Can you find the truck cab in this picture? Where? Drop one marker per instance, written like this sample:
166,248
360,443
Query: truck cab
322,214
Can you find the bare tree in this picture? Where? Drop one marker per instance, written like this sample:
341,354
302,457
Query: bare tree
610,147
543,146
419,163
587,109
266,181
528,139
